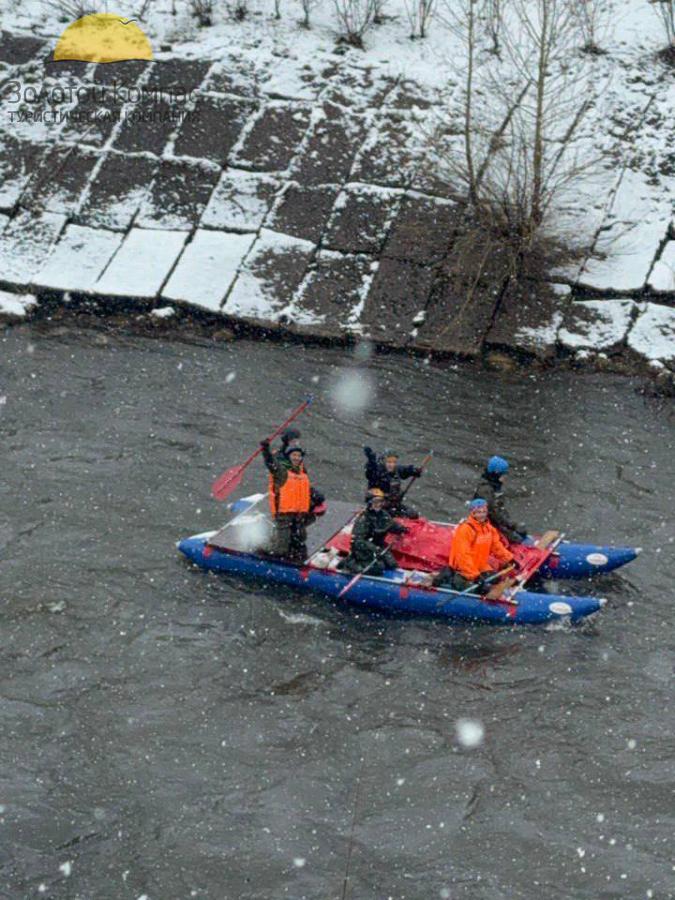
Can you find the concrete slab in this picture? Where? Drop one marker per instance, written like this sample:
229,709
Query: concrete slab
19,49
177,76
212,129
662,276
272,271
147,126
207,268
274,137
398,295
303,211
240,201
120,186
25,244
327,157
125,73
142,264
653,334
236,75
360,219
528,319
464,296
78,258
92,120
333,292
178,195
389,154
358,86
58,180
17,160
596,324
422,230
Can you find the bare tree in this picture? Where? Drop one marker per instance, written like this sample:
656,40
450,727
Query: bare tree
419,15
277,9
666,12
521,115
354,18
378,14
70,10
202,10
492,14
592,18
307,7
239,10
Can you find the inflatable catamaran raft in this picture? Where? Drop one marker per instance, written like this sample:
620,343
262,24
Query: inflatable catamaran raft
236,550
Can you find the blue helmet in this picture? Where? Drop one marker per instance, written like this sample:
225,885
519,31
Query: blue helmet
497,465
475,504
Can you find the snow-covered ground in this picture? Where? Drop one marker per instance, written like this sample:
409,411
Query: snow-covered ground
303,173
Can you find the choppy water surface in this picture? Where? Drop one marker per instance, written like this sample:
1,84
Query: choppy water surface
173,734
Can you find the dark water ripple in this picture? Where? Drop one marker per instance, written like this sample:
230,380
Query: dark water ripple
171,734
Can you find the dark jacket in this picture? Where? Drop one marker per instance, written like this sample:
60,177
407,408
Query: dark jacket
372,526
389,483
490,488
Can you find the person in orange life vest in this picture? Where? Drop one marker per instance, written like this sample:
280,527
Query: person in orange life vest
474,541
292,501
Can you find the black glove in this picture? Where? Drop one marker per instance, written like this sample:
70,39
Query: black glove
417,472
369,451
265,444
316,498
522,534
291,434
482,583
395,528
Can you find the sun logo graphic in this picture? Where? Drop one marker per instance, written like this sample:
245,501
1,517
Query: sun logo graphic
103,38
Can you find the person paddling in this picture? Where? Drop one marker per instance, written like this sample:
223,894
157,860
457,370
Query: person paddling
368,534
385,473
292,500
491,487
474,541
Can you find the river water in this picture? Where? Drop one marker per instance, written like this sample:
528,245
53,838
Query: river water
171,734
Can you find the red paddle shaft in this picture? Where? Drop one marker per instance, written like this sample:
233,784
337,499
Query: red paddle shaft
223,486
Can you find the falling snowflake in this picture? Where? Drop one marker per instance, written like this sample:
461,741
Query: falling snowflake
470,732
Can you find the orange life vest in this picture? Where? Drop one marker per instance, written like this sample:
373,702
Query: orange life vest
293,495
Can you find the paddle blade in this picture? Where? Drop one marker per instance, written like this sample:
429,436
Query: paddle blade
226,483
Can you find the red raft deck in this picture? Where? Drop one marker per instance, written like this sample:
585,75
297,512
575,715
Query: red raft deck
426,547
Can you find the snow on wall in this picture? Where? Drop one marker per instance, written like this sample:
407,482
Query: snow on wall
78,259
15,306
25,244
597,324
142,263
653,334
207,268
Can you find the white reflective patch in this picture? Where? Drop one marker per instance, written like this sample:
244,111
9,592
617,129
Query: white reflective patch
560,608
597,559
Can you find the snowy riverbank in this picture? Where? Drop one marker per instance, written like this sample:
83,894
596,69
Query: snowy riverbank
292,190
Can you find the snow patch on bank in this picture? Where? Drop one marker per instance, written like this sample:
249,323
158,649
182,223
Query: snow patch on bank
597,324
653,334
15,306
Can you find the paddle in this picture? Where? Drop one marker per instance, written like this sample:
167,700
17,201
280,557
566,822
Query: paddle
223,486
471,588
425,462
506,589
359,576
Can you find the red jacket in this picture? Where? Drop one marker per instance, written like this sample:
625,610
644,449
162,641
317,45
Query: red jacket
472,545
